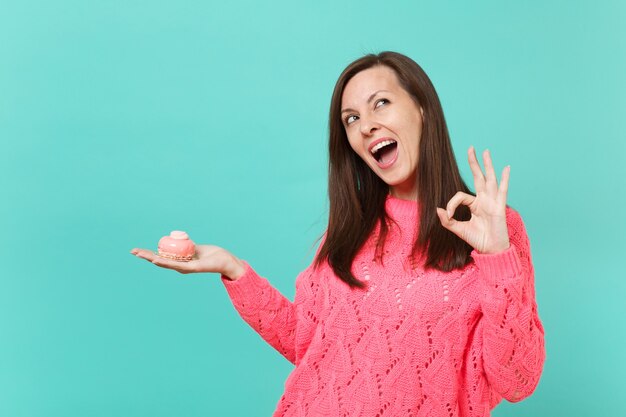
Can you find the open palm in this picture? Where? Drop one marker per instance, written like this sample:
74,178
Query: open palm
208,258
486,230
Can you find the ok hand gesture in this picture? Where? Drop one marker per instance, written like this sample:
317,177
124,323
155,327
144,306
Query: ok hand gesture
486,230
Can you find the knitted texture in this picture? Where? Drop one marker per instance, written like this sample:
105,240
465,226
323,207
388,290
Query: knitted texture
415,342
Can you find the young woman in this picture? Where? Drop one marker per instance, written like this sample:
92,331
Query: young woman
421,300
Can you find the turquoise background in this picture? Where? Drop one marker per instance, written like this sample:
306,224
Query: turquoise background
123,120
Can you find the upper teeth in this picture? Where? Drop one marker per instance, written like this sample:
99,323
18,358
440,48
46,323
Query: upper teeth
382,144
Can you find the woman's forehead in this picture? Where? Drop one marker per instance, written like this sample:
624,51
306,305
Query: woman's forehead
367,82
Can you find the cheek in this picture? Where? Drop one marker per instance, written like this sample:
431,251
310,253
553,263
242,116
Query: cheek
354,144
416,130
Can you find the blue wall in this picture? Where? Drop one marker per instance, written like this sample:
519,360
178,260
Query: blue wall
123,120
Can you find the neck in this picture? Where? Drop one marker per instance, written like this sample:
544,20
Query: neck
404,192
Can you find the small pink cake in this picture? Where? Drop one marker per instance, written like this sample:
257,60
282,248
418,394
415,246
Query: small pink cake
177,246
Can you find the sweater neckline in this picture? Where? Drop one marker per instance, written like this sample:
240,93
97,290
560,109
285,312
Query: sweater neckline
401,209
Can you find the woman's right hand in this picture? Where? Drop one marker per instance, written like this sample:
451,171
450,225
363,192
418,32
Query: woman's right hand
208,258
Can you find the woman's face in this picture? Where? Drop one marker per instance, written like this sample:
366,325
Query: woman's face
384,126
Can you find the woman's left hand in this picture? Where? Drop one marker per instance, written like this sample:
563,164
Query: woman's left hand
486,230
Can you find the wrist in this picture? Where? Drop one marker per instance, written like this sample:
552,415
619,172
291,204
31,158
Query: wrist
494,251
235,269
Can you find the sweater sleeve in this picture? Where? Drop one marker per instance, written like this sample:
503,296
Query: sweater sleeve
512,335
265,309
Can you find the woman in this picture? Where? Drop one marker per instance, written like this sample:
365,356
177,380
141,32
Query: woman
409,308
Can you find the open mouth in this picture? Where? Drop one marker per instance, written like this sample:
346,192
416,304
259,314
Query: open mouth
385,152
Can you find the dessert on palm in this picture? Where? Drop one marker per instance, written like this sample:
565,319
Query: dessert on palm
177,246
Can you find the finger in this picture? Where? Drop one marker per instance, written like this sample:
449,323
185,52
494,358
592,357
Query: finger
479,179
443,217
449,223
144,254
504,184
491,180
458,199
182,267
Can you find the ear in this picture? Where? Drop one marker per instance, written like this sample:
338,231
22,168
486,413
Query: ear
422,111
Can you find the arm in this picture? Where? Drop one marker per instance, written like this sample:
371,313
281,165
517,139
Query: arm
265,309
512,335
510,331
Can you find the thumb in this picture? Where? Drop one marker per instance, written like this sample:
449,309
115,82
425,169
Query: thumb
449,223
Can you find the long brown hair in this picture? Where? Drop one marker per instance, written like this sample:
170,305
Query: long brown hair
357,195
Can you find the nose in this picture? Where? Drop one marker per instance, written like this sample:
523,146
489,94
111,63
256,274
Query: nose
368,126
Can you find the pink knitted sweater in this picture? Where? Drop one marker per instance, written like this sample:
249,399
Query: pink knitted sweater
414,343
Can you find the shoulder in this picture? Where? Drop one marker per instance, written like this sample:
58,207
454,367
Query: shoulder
512,215
315,268
514,219
516,227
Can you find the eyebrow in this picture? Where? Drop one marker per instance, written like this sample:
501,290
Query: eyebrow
368,100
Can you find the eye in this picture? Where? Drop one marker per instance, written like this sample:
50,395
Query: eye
381,102
350,119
